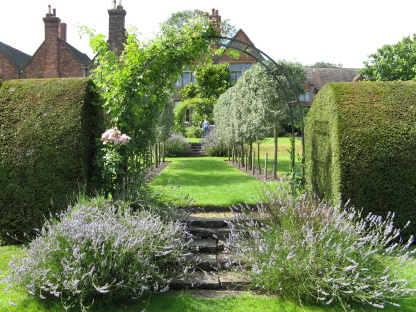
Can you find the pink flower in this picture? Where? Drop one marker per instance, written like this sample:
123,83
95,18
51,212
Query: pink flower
115,136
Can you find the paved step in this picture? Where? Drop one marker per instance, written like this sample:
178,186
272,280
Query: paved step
196,150
212,270
212,280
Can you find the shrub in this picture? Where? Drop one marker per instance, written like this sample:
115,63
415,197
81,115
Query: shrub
360,143
306,249
193,132
212,146
101,251
47,148
177,145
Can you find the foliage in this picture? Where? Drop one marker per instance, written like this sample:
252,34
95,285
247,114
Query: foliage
360,145
255,104
201,109
311,251
177,145
165,122
392,62
47,148
135,85
212,80
178,19
193,132
326,65
98,251
212,146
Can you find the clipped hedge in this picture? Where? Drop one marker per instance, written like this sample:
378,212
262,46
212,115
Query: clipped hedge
46,149
360,141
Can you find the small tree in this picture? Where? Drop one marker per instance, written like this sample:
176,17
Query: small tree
211,81
392,62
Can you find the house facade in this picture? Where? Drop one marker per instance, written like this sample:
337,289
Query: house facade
55,57
236,65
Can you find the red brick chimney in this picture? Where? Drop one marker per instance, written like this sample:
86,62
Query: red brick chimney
116,30
52,29
216,19
62,31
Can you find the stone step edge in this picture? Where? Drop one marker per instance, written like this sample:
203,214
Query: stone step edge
212,281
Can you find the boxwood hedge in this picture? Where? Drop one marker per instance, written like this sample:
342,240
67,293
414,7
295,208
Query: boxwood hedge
360,141
47,145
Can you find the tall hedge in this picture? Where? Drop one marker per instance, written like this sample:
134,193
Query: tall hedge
47,135
360,141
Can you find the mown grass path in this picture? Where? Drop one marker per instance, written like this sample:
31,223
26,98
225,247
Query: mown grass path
208,182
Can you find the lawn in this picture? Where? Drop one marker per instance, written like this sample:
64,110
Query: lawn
207,181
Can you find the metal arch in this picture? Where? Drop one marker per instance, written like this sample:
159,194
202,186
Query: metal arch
272,67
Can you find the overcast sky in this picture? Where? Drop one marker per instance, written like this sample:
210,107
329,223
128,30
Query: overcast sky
344,32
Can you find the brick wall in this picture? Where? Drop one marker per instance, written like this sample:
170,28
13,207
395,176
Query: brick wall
7,69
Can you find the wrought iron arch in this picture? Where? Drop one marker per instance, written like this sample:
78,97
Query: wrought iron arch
272,67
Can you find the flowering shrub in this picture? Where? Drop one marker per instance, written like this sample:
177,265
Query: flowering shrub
114,160
115,136
101,252
177,145
212,146
307,249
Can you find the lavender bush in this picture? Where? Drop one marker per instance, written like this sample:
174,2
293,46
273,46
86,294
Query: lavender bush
212,146
100,251
177,145
307,249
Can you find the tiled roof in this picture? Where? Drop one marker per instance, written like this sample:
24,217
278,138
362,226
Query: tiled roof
18,58
317,77
82,57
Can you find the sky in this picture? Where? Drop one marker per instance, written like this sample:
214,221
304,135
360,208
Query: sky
340,32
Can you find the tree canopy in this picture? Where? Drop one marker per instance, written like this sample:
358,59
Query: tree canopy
326,65
256,103
392,62
178,19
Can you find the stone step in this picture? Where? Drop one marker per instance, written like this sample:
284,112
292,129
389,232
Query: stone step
212,261
211,280
201,222
207,245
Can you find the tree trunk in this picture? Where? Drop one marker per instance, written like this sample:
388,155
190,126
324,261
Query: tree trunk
242,155
275,154
250,156
258,155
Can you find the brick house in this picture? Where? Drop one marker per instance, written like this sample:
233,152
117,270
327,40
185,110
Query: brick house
236,66
317,77
55,57
12,62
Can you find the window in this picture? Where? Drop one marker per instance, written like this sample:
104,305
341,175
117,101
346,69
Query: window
186,78
305,97
238,69
188,115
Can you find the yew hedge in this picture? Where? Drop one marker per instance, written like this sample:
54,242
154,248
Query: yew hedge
47,146
360,142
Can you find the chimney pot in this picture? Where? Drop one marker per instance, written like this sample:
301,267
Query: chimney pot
54,12
216,12
62,31
213,11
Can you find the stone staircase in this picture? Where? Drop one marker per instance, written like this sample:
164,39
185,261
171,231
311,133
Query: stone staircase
196,150
213,269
